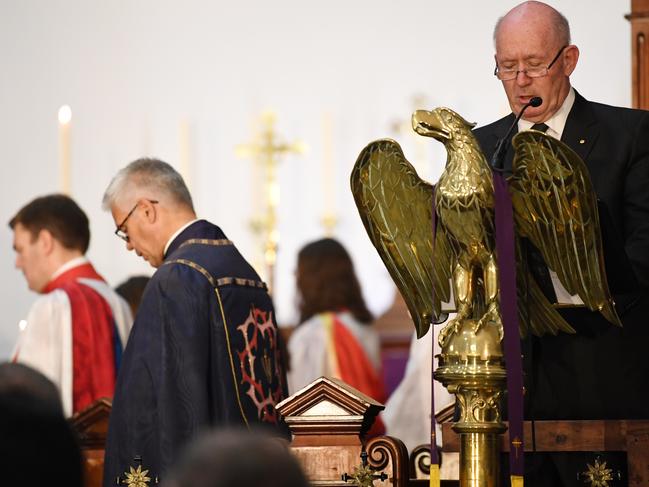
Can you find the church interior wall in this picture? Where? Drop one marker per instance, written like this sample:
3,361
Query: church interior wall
133,72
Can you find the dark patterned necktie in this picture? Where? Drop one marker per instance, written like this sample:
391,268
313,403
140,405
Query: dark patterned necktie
541,127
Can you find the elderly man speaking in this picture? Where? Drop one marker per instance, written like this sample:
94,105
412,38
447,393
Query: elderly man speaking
601,371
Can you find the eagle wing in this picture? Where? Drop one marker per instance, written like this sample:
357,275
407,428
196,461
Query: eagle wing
556,209
396,206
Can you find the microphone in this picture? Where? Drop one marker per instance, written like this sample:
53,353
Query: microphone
501,148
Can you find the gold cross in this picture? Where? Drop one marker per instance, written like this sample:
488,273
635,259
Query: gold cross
517,443
266,150
364,475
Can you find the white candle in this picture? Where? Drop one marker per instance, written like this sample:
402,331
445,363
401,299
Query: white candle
329,206
65,117
327,165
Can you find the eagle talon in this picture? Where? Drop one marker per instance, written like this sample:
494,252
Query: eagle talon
492,315
454,325
450,329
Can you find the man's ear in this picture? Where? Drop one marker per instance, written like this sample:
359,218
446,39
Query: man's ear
46,241
570,58
149,211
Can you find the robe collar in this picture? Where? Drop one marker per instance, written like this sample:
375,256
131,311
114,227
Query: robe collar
176,233
77,261
82,269
196,229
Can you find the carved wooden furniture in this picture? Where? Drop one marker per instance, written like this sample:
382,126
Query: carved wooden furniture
327,419
420,463
639,18
91,426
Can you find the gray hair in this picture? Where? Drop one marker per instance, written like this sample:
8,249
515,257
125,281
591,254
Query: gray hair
151,178
560,24
235,458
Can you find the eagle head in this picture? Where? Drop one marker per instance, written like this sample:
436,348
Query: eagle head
442,123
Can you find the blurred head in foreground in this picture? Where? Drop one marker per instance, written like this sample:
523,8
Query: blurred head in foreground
236,458
37,445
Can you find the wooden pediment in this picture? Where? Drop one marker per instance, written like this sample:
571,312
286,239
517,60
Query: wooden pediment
329,406
91,424
328,418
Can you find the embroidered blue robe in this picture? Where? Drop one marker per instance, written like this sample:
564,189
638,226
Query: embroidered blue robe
203,352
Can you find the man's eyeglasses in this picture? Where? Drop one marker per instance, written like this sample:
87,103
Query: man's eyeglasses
537,72
119,231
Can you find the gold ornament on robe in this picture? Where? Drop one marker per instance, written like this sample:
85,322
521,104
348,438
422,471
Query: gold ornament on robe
137,477
554,208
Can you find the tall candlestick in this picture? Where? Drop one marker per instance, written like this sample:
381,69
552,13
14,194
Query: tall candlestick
185,152
65,118
329,207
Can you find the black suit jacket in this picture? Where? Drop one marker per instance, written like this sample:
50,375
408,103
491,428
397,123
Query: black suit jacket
602,371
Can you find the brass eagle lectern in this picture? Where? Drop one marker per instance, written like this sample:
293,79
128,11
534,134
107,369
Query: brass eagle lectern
554,208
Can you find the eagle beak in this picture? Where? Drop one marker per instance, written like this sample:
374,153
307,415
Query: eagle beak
428,124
